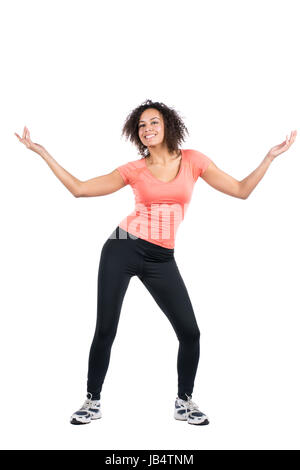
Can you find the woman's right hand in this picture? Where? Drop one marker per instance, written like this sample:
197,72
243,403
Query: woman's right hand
28,142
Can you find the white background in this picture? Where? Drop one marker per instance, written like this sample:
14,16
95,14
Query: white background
71,72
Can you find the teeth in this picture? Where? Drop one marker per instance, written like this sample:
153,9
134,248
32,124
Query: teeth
149,136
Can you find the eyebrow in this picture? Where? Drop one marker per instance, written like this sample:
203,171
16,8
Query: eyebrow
156,117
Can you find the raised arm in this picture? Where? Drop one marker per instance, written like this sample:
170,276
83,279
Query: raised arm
225,183
221,181
101,185
98,186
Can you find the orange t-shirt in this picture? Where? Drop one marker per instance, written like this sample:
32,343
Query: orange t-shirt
161,206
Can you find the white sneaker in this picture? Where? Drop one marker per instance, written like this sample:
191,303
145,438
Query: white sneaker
187,410
89,410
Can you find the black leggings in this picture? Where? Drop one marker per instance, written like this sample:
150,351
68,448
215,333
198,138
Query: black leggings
123,256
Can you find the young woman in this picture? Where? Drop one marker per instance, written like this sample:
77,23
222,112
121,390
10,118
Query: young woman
143,243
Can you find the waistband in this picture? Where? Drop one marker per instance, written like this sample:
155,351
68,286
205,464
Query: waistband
121,234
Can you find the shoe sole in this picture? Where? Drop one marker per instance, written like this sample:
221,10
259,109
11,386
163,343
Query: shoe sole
203,423
76,421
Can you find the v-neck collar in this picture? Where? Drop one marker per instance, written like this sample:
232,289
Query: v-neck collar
166,182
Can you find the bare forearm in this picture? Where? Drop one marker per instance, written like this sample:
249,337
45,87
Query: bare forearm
70,182
249,183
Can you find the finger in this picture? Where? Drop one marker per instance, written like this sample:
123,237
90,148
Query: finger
18,136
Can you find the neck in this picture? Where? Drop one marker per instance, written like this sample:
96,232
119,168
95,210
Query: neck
160,155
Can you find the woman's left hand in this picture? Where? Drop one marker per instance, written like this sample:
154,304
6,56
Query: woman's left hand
283,147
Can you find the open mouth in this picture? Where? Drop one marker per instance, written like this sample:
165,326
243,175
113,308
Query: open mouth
149,137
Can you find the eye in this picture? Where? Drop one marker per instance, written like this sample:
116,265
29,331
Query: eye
154,122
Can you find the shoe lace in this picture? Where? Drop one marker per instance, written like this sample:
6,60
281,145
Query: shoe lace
191,404
88,403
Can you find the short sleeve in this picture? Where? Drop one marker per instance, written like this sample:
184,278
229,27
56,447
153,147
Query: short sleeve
127,172
200,163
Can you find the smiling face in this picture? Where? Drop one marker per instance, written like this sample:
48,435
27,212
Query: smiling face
151,123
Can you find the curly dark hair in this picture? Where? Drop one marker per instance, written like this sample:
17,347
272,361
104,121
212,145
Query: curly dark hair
173,124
